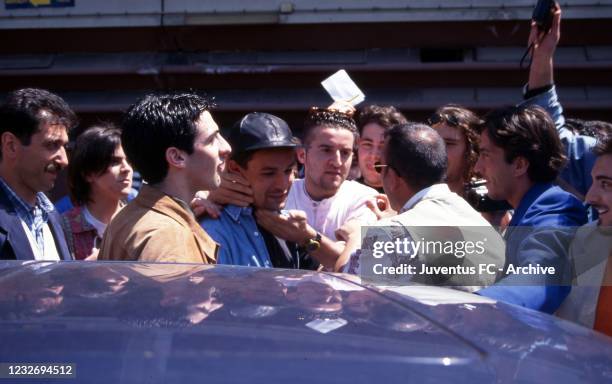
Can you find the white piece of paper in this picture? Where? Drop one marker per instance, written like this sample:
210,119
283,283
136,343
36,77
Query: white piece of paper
342,88
326,325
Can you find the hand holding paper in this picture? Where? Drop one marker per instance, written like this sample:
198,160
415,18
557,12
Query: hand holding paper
341,88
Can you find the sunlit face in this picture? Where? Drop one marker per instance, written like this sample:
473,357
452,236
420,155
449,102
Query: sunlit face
370,149
115,182
270,173
328,156
38,164
493,166
210,150
456,150
600,193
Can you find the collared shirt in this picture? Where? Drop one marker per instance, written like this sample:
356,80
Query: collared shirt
241,240
34,218
434,190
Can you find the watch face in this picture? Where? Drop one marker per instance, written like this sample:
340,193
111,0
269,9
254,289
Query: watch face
312,245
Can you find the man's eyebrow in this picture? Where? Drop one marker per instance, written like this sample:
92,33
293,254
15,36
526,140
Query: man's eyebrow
212,134
603,177
269,168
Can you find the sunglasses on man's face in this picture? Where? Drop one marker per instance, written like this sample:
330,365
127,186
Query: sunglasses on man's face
438,118
378,167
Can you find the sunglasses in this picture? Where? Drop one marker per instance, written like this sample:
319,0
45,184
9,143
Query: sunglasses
437,118
378,167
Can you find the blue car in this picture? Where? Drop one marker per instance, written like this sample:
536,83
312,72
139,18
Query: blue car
119,322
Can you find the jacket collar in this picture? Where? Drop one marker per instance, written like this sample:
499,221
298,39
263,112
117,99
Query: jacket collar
532,194
178,210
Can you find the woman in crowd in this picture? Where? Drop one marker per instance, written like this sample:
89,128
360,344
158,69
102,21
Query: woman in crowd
99,178
458,127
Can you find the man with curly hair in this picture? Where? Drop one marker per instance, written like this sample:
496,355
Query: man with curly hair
458,128
373,121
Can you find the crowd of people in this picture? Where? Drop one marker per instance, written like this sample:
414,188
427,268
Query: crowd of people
263,197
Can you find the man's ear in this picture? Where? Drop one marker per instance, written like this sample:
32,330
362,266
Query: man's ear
176,158
10,144
88,178
520,166
301,155
394,180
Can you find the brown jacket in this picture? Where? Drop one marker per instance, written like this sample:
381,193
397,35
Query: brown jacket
157,228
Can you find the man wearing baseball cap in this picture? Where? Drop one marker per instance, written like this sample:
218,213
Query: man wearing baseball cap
264,154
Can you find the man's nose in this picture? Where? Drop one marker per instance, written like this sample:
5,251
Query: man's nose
62,158
224,148
126,167
336,158
592,195
478,167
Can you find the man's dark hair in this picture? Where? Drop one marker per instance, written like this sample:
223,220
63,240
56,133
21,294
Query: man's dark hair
22,113
587,127
318,117
156,123
92,155
417,153
529,132
604,141
467,122
385,116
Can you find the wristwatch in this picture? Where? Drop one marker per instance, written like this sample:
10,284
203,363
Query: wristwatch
313,244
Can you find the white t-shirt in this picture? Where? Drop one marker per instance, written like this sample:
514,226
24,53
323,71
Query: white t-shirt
97,224
329,214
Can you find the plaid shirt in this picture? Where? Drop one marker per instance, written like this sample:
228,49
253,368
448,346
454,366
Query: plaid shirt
34,217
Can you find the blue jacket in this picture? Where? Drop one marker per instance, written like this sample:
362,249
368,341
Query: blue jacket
14,243
540,232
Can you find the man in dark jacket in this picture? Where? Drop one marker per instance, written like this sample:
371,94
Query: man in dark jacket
34,126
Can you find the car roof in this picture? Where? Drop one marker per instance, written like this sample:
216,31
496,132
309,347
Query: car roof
169,322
